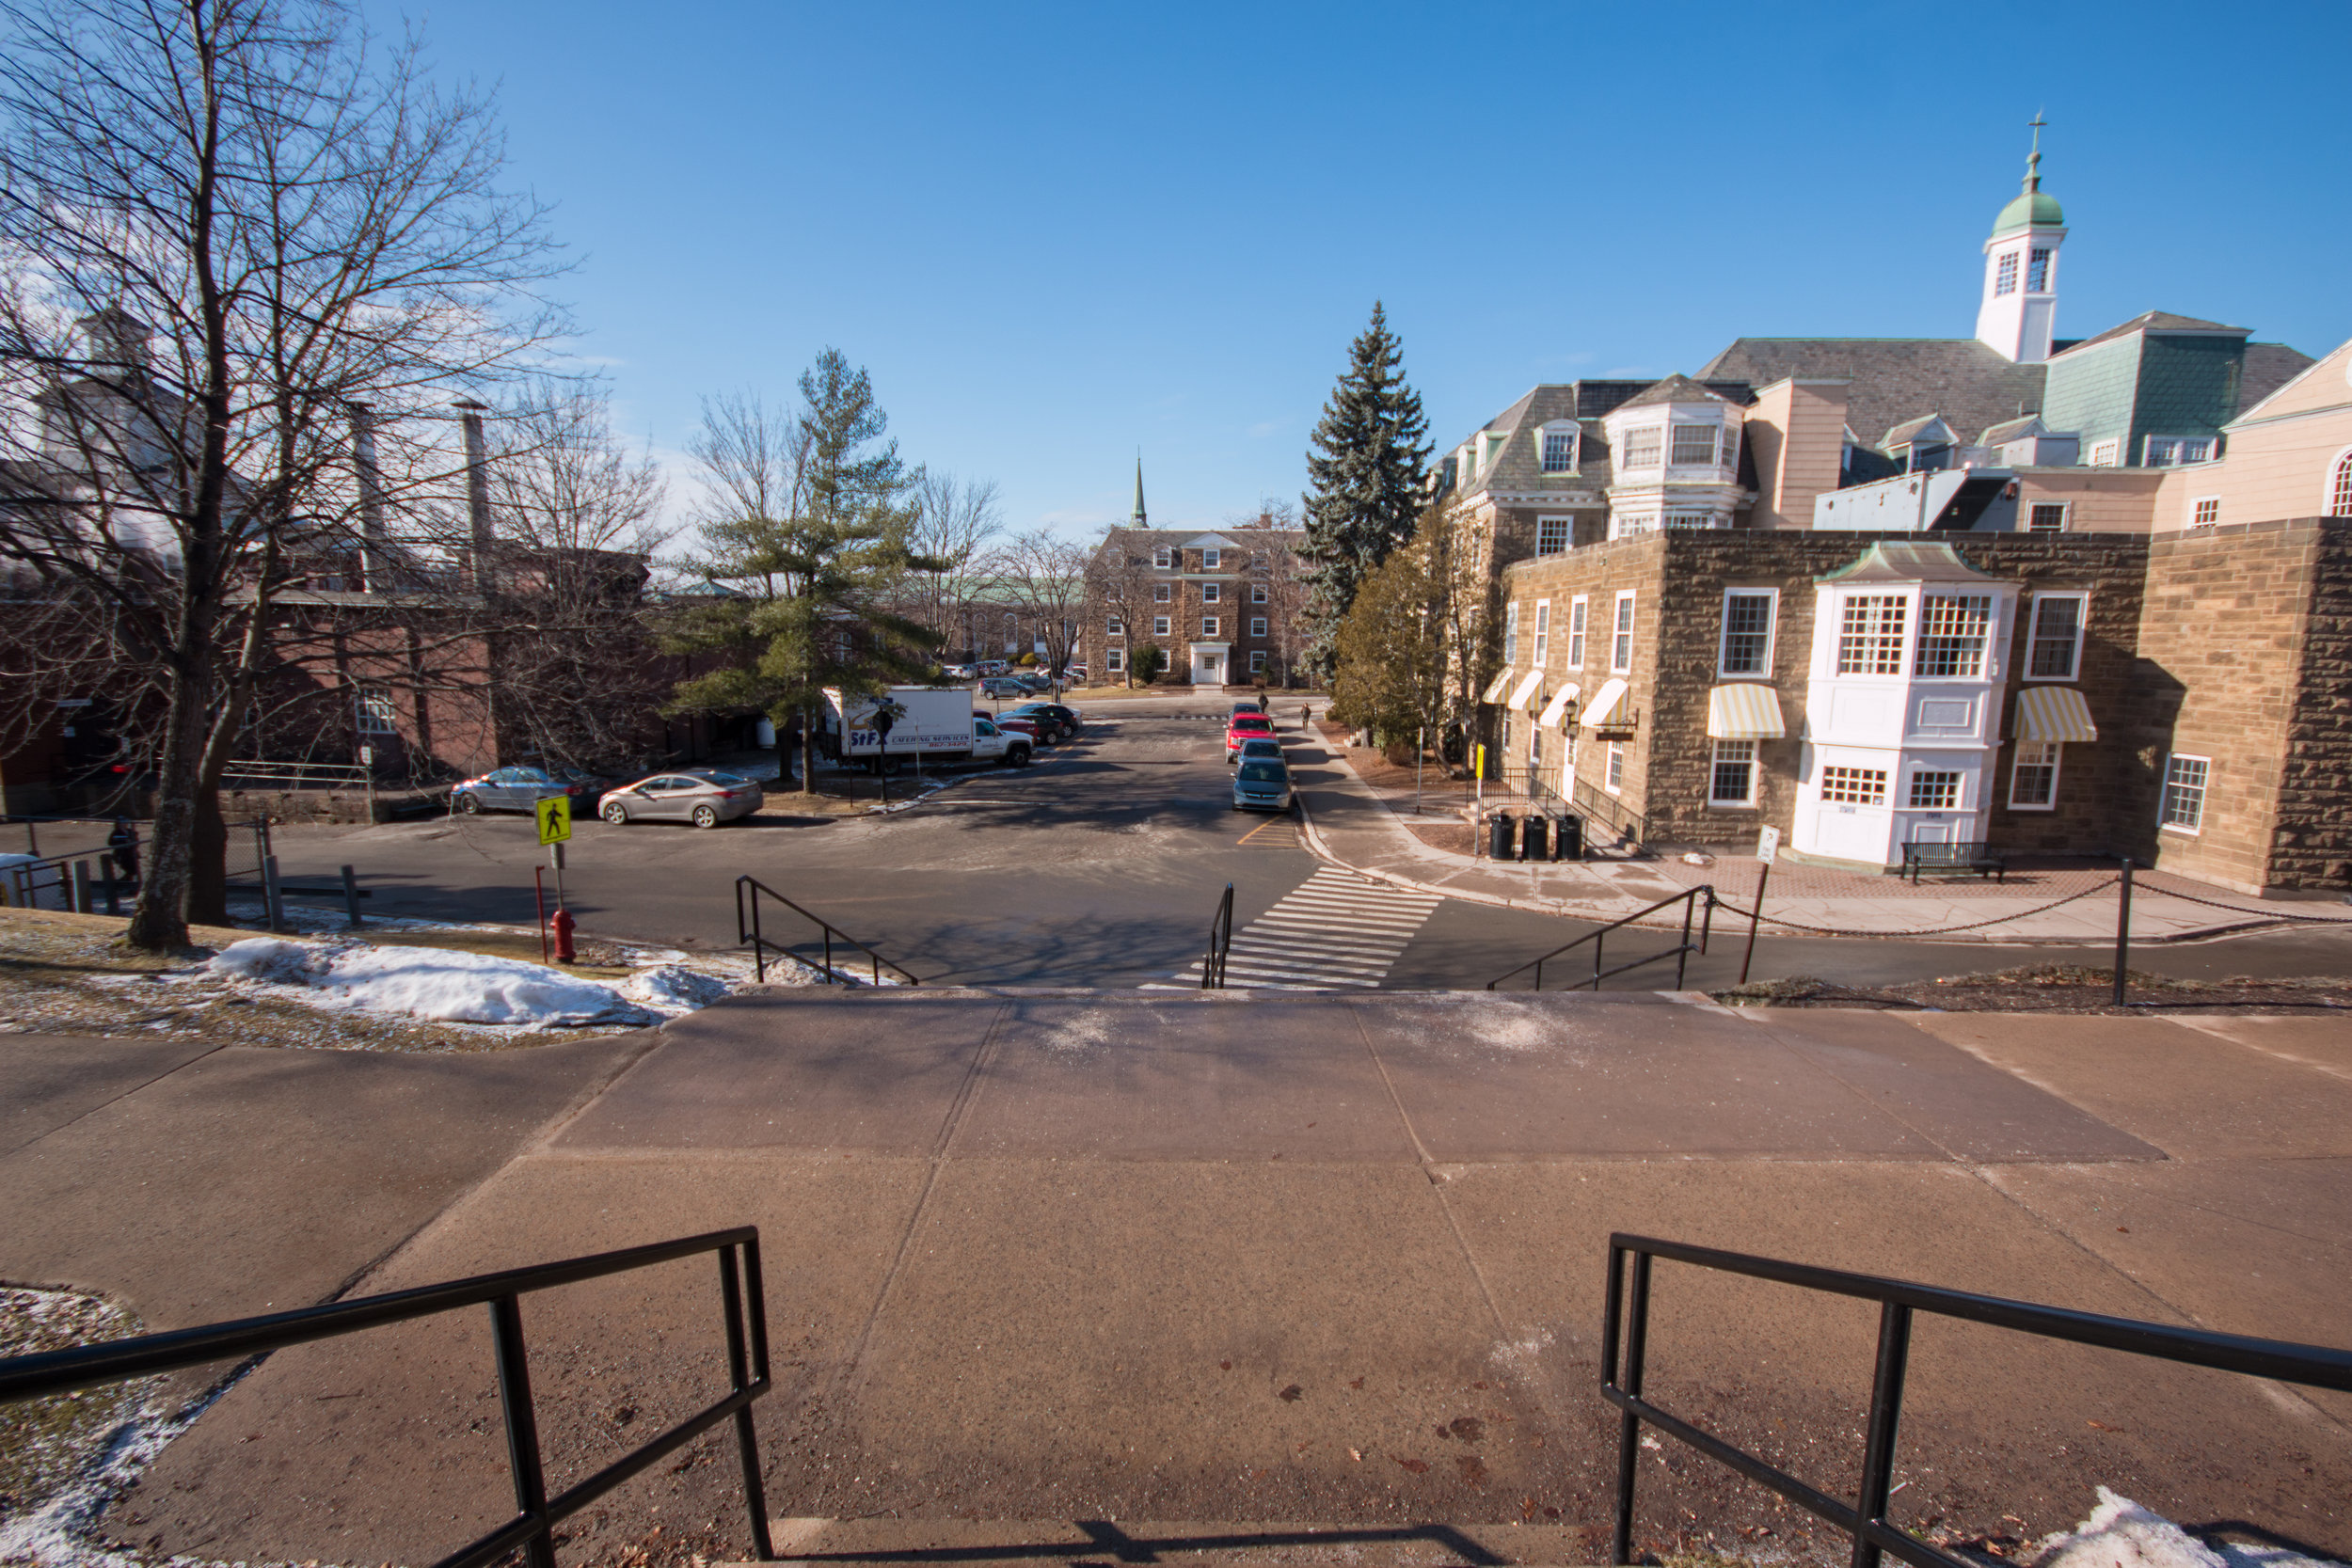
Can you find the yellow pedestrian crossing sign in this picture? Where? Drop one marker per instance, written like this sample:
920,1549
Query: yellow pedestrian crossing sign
555,820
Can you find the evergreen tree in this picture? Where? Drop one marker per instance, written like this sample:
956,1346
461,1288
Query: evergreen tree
806,538
1366,470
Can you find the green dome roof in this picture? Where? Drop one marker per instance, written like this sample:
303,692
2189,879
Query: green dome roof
2035,207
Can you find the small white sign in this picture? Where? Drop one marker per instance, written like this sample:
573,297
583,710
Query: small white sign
367,756
1767,845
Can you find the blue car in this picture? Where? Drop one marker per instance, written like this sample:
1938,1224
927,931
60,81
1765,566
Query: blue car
1262,783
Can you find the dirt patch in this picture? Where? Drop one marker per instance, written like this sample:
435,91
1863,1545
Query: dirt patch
2054,989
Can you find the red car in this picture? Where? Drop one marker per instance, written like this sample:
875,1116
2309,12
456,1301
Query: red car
1246,726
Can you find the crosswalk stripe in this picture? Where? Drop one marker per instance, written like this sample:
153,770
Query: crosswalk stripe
1331,932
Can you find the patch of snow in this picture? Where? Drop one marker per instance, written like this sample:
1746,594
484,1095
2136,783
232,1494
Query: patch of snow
424,982
2121,1534
672,988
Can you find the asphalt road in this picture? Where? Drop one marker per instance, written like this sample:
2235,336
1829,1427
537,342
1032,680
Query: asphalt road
1100,866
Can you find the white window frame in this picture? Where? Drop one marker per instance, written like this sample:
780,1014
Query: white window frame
1511,632
1959,781
1209,625
1257,661
1621,634
1714,434
2041,261
1115,661
374,713
2104,454
1579,610
1652,436
1844,786
1257,592
2203,512
2064,509
2195,793
1566,535
2173,458
1742,754
1115,627
1612,769
1163,558
2004,269
1256,626
1160,625
1771,632
1568,430
1541,642
1212,592
2034,755
1163,592
2335,500
1944,645
1209,558
2034,635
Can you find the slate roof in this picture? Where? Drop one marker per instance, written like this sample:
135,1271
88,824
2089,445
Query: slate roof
2156,321
1893,379
1674,389
2268,366
1144,540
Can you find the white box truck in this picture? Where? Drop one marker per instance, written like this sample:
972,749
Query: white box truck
936,728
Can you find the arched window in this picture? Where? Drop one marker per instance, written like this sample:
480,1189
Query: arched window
2340,496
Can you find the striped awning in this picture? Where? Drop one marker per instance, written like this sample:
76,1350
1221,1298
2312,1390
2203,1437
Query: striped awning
1744,710
1526,692
1496,687
2052,713
1558,705
1604,705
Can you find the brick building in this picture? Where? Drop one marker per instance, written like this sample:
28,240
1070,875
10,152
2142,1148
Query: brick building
1225,606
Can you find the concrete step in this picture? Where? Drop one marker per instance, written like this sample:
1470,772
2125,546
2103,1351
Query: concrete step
1222,1544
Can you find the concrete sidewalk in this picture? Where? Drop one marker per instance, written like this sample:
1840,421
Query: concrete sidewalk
1283,1261
1352,825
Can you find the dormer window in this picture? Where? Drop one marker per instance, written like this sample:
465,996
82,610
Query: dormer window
1693,445
1559,448
1209,559
1163,558
2005,273
1489,447
1640,448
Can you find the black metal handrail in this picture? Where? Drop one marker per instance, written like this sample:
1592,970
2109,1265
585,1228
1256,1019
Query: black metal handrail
1625,1322
743,1303
1631,827
748,934
1700,898
1220,943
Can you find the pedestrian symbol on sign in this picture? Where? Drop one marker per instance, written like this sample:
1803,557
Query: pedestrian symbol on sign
555,820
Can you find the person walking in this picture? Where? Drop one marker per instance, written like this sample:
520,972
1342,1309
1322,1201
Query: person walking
124,843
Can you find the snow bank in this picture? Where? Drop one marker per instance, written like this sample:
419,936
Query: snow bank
2121,1534
424,982
674,988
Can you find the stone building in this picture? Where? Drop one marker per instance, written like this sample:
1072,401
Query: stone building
1225,606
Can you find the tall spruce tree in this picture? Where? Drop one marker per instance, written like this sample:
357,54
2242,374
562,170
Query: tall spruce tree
1366,473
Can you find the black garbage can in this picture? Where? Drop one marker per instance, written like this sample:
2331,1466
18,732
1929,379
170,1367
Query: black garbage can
1498,837
1534,838
1569,845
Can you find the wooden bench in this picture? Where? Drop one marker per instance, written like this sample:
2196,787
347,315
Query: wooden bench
1955,859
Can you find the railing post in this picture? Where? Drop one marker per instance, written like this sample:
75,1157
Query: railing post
351,896
1683,956
739,1376
1886,1410
1599,938
831,978
522,1428
2123,930
1629,1424
81,901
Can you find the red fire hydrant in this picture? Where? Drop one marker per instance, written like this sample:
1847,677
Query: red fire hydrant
563,923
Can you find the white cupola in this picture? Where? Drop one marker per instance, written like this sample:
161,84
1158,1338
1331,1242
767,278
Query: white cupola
2019,311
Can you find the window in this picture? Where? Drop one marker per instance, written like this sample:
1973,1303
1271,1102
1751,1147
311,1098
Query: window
2033,776
375,714
2169,452
1871,635
1257,592
1543,633
1952,632
2054,648
2340,494
1693,444
1208,626
1559,449
1551,535
1256,626
1163,592
2047,517
1511,632
2038,271
1631,524
1114,628
1640,448
1159,625
1853,787
1114,660
1163,557
2005,273
1615,776
2184,793
1934,789
1693,519
1257,661
1621,645
1577,607
1210,592
2104,454
1733,783
2205,512
1211,560
1747,648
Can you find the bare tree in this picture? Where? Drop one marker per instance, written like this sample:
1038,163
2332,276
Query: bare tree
956,523
224,222
1270,533
1119,580
1043,575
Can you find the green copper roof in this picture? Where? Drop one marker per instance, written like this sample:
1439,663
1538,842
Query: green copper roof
2028,208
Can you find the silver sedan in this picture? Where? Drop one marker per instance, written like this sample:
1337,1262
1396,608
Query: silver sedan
706,800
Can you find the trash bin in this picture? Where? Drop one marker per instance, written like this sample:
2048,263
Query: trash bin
1534,838
1569,845
1498,837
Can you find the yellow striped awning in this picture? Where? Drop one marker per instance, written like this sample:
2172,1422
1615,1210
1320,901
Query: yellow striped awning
1744,711
2052,713
1598,711
1496,687
1558,705
1526,692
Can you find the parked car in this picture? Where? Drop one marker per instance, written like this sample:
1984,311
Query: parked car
1262,783
1035,680
520,789
1003,686
1260,751
1011,725
994,667
1064,718
1246,726
957,672
1075,674
704,798
1249,705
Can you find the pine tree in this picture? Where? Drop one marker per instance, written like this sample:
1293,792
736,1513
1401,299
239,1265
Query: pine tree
1367,476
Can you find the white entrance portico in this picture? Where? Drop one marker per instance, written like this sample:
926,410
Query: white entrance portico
1209,662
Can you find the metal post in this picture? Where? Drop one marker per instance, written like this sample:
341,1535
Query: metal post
82,902
1886,1410
522,1427
273,904
1420,748
1629,1424
1763,879
1599,937
829,975
555,852
2123,930
739,1374
1682,959
351,896
539,898
106,876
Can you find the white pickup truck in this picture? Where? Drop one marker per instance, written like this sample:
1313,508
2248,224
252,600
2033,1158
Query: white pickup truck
936,728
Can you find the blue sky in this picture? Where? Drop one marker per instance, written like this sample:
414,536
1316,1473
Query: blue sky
1056,233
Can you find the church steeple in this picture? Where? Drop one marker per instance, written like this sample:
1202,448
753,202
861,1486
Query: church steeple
2019,308
1136,521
